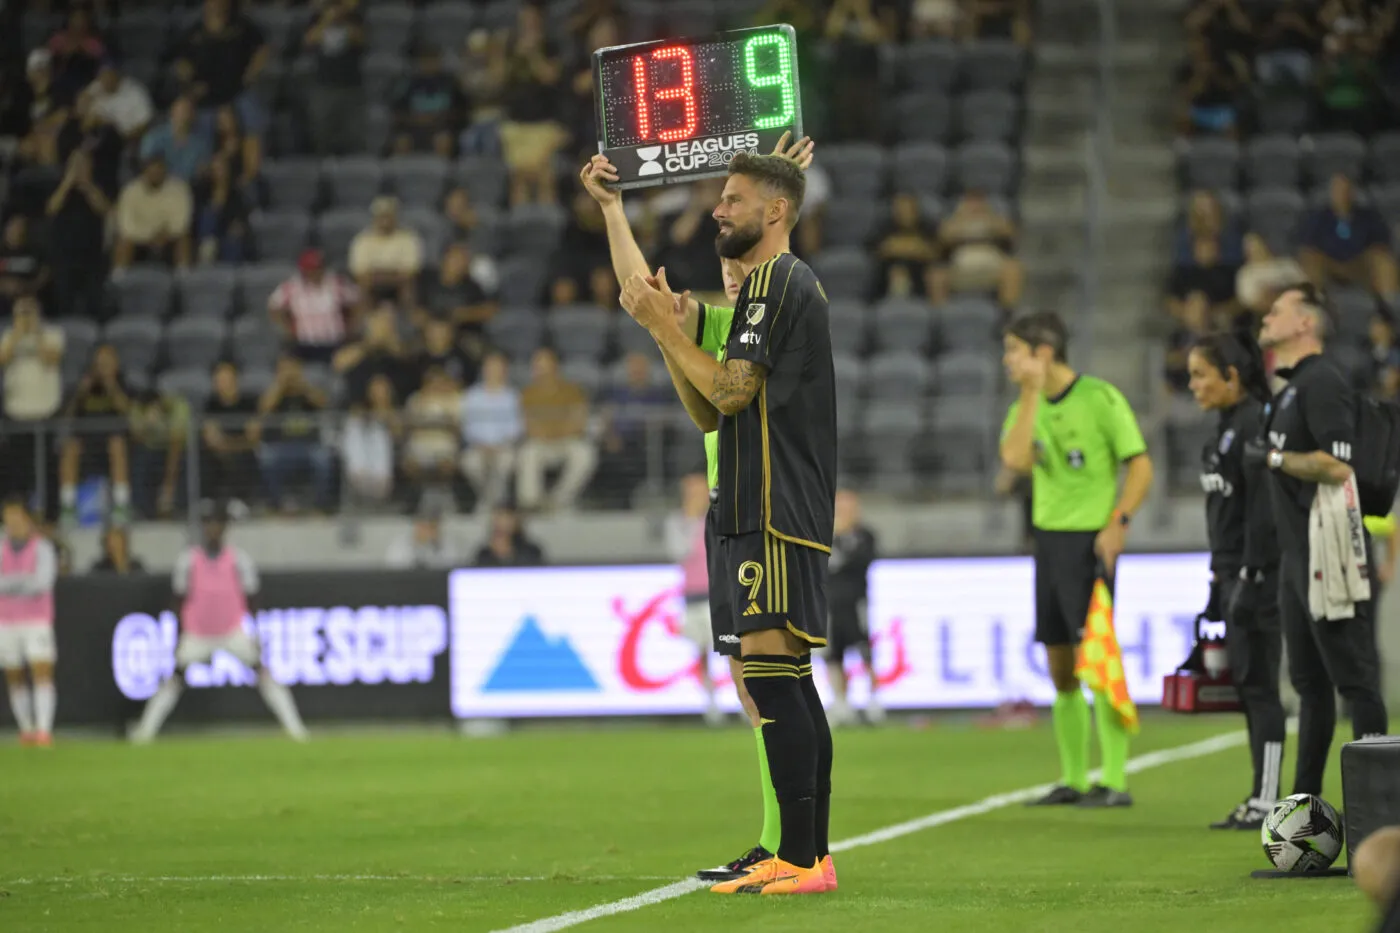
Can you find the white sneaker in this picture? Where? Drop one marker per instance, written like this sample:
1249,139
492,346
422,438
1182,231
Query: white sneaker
874,712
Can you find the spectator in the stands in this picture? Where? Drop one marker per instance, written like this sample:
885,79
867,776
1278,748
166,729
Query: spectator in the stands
1287,44
291,440
531,134
230,433
77,212
378,351
77,49
604,289
154,216
385,259
909,254
635,415
507,544
493,424
221,227
1264,276
85,129
1206,281
1208,84
1385,355
240,151
483,78
979,241
462,217
855,31
31,352
98,444
1192,324
428,107
47,103
314,310
1000,19
440,351
424,546
577,109
220,59
1223,25
372,432
23,268
159,426
116,553
584,247
431,436
934,19
465,291
687,247
556,436
121,101
336,38
1348,82
1348,242
1206,220
180,141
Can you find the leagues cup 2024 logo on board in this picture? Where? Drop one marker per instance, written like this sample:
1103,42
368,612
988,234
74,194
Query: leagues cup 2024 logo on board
690,155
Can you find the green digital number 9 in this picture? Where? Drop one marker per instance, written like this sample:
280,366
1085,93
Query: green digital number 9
782,79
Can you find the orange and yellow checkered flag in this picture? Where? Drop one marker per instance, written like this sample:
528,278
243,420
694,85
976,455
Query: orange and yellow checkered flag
1100,662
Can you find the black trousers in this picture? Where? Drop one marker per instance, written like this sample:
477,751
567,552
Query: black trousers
1254,644
1326,658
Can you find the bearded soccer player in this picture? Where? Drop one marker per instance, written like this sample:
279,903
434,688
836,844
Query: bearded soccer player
1073,434
773,401
709,327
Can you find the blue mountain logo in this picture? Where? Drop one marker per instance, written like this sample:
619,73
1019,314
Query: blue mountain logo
536,662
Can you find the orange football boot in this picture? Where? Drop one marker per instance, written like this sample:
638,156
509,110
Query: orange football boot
828,868
774,876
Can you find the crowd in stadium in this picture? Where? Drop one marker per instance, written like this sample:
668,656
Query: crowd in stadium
1289,117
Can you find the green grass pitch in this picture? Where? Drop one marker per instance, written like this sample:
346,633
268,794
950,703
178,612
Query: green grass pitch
427,831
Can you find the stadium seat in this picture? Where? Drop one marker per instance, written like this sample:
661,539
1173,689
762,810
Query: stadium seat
898,374
850,374
968,373
533,229
586,372
292,184
1386,199
195,341
137,340
856,169
1355,360
580,331
969,322
143,291
522,281
80,335
632,338
989,115
844,273
690,17
431,226
381,73
206,291
993,65
889,429
418,180
142,35
281,26
959,443
1212,163
1355,308
335,229
516,332
1286,114
254,342
1273,162
448,23
1329,154
280,236
353,181
848,322
902,324
256,283
255,380
1385,157
486,179
920,168
986,166
920,116
499,14
190,383
851,221
930,66
379,124
388,28
1274,214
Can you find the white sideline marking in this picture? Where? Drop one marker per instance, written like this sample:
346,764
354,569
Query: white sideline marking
245,879
997,801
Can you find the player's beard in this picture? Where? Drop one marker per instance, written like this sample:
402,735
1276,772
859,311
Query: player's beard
738,241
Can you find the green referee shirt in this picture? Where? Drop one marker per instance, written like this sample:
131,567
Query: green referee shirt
1081,438
714,334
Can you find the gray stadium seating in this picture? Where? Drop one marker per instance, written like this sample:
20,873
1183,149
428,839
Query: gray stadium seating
256,284
388,28
987,166
137,340
255,380
1273,162
431,226
898,375
1329,154
486,180
920,168
921,116
207,291
850,374
1212,163
1274,213
856,169
848,322
191,383
292,184
254,342
382,71
353,181
968,373
993,65
518,331
281,26
418,180
928,66
851,221
533,228
522,280
448,23
902,324
143,291
632,338
195,341
80,335
1385,157
969,322
141,35
335,229
844,273
1283,114
581,331
1354,307
989,115
1386,199
280,236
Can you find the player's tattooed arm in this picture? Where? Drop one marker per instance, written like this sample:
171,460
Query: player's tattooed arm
1315,466
735,384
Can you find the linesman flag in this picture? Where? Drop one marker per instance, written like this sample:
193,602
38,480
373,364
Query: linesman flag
1100,662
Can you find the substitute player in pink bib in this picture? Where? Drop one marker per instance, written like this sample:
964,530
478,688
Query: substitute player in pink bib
28,568
212,585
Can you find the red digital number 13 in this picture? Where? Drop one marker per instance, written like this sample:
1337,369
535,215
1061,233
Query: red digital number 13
684,92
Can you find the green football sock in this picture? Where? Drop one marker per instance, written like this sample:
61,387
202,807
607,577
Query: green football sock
772,828
1071,717
1113,743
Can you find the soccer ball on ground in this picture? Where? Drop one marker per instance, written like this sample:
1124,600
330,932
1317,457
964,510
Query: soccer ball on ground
1303,833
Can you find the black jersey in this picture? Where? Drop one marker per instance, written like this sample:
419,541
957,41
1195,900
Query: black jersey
1315,411
1239,514
848,570
777,457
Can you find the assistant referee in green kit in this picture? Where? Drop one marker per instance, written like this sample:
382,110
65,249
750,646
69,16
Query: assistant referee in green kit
1074,435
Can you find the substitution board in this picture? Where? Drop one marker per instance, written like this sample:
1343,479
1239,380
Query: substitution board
681,109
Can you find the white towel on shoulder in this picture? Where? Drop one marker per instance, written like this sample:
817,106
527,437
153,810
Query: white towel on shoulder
1338,578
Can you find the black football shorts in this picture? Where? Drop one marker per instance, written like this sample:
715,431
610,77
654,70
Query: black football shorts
774,583
1065,570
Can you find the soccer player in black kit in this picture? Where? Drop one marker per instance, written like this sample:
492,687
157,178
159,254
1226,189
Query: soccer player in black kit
773,398
1311,427
1227,377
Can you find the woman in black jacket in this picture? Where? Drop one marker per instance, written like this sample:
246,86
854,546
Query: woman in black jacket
1228,377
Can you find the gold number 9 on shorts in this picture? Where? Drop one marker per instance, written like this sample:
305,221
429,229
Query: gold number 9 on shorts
751,575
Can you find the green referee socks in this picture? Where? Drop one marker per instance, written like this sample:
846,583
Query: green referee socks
772,827
1113,743
1071,717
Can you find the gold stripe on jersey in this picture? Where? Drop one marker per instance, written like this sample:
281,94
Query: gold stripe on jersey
768,479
